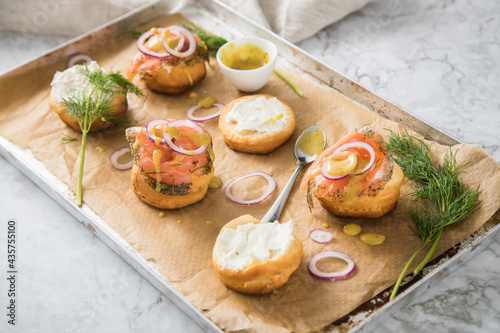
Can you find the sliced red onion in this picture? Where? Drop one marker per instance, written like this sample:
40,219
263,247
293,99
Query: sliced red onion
191,110
321,236
355,172
79,57
188,123
141,46
315,272
176,29
270,180
116,155
154,123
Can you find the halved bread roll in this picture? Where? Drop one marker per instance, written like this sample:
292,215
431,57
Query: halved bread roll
256,124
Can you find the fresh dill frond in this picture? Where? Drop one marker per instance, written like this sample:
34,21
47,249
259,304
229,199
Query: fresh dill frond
138,32
212,42
88,107
441,197
66,138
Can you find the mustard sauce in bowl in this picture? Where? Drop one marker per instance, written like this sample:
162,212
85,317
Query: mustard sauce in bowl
247,62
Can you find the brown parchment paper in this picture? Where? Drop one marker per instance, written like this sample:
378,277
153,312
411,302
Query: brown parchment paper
182,251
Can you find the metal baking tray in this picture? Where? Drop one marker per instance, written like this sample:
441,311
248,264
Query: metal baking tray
224,21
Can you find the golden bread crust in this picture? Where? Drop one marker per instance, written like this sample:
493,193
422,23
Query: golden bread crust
370,206
175,79
253,141
259,278
149,195
119,103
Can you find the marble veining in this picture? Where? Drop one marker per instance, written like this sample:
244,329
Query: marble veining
438,60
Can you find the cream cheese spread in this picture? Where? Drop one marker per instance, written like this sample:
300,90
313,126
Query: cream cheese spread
252,243
258,114
72,81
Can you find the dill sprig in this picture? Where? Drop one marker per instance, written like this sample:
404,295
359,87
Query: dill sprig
441,198
66,138
106,86
212,42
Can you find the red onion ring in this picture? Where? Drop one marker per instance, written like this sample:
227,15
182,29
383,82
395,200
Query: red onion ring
270,180
113,158
79,57
352,144
142,40
188,123
315,272
191,110
321,236
154,123
176,29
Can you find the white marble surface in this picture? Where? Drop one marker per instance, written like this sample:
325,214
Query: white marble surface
438,60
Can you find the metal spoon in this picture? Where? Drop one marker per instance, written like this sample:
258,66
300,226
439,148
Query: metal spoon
304,156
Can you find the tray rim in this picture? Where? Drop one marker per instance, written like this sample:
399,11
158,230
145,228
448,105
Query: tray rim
25,162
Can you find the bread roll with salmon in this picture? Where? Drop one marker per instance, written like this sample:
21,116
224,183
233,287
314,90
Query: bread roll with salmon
170,174
169,60
356,177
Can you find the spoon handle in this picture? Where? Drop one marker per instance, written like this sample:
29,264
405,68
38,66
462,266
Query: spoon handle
275,211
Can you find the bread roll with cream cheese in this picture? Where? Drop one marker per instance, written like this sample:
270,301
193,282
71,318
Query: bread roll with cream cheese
256,124
256,258
71,82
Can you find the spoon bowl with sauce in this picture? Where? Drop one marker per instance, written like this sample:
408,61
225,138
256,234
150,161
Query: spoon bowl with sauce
247,62
308,147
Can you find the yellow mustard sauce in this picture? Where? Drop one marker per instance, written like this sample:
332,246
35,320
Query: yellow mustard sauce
137,142
156,160
211,153
206,101
216,182
274,119
157,133
341,164
352,229
155,42
199,139
244,56
173,42
351,192
193,94
370,238
312,143
190,79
